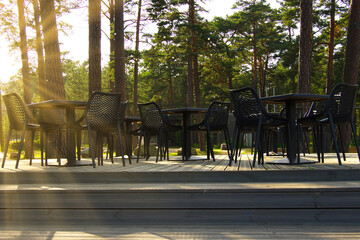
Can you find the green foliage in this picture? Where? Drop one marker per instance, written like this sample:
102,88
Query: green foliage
76,79
224,46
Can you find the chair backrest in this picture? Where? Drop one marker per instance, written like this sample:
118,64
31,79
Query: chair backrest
247,106
217,115
341,102
104,110
17,111
151,116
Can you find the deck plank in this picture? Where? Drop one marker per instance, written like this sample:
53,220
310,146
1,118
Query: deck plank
175,164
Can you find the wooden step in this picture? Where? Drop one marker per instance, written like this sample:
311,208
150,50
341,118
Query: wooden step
38,177
186,202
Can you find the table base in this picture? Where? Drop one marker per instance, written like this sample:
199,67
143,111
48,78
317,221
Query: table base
75,164
287,162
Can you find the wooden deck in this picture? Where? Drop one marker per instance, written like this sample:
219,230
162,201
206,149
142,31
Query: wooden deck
173,199
175,165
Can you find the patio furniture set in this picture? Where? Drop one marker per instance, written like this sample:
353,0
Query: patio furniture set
105,115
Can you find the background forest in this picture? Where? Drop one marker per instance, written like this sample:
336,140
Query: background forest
255,46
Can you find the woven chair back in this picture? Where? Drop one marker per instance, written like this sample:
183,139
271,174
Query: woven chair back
341,102
105,110
16,110
247,106
151,116
217,115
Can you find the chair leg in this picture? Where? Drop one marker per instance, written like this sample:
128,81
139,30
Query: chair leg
332,125
207,147
21,144
32,146
228,143
233,146
139,144
302,140
97,146
7,147
121,146
257,140
91,145
241,143
316,143
210,143
159,143
341,142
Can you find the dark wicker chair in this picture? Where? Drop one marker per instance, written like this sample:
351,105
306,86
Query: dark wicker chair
338,109
110,136
104,113
307,124
251,115
216,119
155,123
20,119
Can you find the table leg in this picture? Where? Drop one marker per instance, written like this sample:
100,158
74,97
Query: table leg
291,136
70,117
186,146
71,142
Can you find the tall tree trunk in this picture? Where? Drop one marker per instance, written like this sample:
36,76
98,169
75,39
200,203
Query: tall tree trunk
189,84
305,51
171,93
136,66
330,69
352,52
39,51
352,58
24,53
112,44
229,72
120,80
195,68
254,57
54,80
94,46
262,77
25,68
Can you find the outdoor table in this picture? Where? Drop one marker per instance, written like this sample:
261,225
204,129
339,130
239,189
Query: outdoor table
290,101
69,107
186,113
